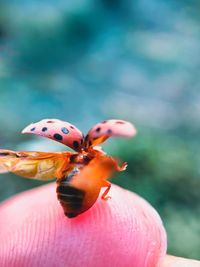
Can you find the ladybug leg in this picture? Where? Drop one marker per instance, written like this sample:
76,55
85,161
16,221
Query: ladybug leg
108,185
116,165
120,168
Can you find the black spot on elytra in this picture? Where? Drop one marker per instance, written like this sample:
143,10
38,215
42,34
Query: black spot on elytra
98,129
64,130
44,129
33,129
76,145
109,131
57,137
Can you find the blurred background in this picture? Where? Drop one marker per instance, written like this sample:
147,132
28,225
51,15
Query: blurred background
86,61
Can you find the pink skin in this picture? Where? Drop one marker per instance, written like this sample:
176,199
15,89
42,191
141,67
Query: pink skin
60,131
124,231
112,128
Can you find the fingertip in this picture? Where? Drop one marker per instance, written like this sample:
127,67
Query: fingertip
172,261
123,230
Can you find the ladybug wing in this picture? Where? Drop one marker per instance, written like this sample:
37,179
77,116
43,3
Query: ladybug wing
57,130
101,131
35,165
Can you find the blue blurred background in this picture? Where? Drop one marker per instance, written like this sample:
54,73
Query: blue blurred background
85,61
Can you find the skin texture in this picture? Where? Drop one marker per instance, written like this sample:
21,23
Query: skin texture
124,231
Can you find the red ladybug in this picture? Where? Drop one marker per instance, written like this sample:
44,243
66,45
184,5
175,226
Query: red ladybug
79,175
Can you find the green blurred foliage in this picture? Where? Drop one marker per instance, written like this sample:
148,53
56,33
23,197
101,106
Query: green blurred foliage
85,61
164,169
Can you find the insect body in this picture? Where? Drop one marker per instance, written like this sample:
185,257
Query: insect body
79,175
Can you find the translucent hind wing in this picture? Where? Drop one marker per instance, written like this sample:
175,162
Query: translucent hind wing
34,165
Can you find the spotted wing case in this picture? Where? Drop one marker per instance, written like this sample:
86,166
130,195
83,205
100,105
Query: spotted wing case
101,131
57,130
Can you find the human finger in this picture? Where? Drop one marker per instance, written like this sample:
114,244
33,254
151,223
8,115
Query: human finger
172,261
123,231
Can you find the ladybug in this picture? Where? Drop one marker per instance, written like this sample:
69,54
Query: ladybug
80,175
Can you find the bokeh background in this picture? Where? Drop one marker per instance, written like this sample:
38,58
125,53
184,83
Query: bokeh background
88,60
